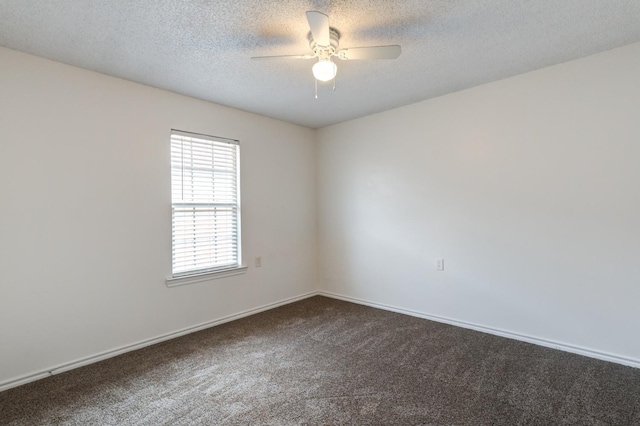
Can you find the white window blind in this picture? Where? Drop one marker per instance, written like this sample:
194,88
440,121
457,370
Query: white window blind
205,203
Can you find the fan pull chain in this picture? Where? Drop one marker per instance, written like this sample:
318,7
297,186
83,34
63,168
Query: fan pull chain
316,88
334,84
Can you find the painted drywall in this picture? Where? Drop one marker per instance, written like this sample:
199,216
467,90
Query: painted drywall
527,187
85,235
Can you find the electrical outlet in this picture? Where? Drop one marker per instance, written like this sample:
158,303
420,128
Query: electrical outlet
439,264
258,262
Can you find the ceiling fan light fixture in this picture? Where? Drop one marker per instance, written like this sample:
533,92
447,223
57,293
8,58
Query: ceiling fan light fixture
324,41
324,70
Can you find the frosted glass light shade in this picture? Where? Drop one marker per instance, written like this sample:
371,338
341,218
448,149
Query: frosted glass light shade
324,70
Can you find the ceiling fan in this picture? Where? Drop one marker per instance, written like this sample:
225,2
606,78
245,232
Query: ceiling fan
324,41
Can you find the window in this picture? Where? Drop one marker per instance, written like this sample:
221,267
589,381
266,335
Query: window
205,204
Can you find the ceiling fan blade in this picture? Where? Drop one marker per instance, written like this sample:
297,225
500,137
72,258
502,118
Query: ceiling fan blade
319,25
283,57
373,52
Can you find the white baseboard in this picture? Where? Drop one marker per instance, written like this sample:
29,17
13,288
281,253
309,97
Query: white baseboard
139,345
490,330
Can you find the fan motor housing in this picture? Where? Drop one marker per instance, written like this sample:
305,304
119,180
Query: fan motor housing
319,50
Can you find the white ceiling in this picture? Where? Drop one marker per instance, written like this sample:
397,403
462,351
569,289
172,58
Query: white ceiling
202,48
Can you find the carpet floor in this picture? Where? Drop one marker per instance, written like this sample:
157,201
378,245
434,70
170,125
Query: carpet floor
326,362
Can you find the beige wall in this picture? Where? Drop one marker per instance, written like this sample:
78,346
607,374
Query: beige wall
85,235
527,187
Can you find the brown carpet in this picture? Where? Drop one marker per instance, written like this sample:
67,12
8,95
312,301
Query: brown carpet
323,361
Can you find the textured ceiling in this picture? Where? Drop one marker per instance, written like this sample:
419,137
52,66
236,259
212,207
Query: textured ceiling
202,48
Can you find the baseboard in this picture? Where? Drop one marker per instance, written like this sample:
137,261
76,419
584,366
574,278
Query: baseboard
144,343
495,331
490,330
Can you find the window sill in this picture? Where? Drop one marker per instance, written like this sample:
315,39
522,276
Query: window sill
196,278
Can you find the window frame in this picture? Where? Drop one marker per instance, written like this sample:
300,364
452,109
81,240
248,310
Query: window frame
204,274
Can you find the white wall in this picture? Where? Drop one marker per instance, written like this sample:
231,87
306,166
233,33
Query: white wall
85,229
529,188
